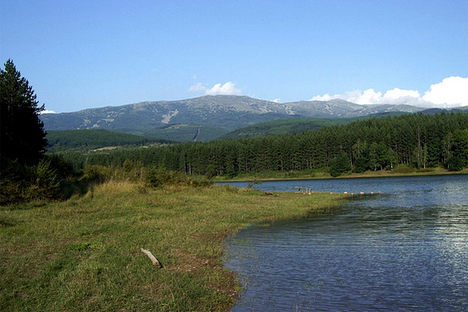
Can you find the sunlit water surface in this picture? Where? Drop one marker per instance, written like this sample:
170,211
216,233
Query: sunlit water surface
405,250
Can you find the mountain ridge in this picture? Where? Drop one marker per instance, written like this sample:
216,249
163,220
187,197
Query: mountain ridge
206,117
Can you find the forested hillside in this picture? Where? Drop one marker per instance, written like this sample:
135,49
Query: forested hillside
290,126
374,144
60,140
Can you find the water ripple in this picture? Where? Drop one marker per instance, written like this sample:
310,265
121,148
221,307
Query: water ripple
405,251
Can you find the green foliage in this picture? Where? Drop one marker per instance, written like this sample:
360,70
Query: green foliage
63,168
84,140
45,184
339,165
25,174
361,165
158,177
21,182
186,132
456,150
21,131
373,144
284,127
293,125
455,164
10,192
97,174
460,144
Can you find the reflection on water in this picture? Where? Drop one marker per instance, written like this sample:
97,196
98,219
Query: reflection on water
406,250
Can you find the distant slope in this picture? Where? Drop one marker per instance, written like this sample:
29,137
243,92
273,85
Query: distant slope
289,126
284,126
186,132
61,140
205,118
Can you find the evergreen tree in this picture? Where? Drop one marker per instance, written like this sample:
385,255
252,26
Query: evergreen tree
460,144
339,165
22,132
459,150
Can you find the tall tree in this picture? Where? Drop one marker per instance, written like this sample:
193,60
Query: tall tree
22,132
460,144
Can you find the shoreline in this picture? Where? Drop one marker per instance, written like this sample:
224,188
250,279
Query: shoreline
386,174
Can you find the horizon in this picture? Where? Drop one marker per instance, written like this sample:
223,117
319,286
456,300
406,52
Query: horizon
234,95
92,54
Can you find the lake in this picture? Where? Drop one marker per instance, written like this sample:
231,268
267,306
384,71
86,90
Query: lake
404,250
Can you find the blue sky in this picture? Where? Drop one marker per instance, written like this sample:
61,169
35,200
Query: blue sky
83,54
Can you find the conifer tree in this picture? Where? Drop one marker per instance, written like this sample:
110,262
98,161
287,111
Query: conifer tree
22,132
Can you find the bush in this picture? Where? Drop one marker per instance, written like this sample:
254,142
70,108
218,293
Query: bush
45,184
158,177
64,169
10,192
97,174
20,182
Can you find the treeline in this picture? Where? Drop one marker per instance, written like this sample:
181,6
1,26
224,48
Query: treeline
60,140
290,126
375,144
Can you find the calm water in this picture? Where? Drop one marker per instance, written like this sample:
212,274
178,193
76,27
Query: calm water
405,250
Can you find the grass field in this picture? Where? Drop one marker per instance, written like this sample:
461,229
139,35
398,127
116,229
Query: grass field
84,254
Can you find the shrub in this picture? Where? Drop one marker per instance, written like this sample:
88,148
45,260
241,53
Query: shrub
198,181
45,184
158,177
20,182
97,174
63,168
10,192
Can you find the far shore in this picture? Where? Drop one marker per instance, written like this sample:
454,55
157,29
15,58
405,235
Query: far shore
322,175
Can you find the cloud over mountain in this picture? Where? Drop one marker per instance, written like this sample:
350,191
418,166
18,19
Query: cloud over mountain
47,112
229,88
451,92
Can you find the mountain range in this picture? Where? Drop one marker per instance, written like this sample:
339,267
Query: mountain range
208,117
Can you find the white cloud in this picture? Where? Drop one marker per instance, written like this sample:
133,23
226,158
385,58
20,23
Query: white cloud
367,97
325,97
398,96
228,88
47,112
198,88
451,92
277,100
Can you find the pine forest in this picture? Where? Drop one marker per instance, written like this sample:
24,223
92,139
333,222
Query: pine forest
416,140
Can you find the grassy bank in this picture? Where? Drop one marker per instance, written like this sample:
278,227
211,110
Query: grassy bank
84,254
324,174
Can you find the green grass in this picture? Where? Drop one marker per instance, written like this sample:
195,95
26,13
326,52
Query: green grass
84,254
